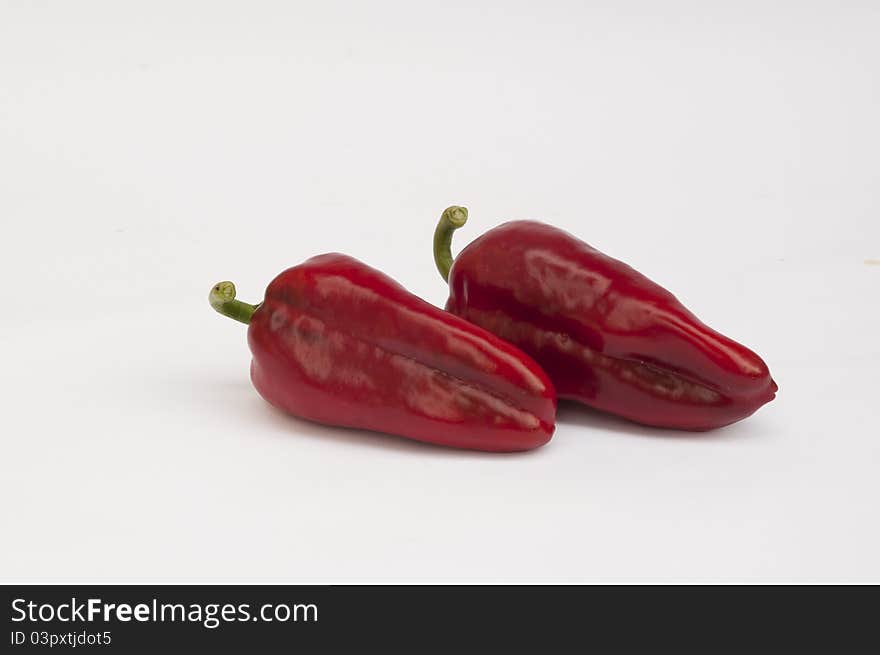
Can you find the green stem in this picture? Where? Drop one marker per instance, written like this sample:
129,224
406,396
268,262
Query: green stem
222,298
452,219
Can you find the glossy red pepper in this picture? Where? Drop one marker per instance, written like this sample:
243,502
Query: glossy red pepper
607,335
340,343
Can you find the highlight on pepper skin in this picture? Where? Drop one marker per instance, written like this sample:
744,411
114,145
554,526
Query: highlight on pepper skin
607,335
337,342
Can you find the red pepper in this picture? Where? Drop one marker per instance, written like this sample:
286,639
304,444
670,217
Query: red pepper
607,335
338,342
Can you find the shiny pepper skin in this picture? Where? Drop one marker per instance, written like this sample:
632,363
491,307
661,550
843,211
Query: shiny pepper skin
607,335
340,343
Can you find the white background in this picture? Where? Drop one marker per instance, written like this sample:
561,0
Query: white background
730,151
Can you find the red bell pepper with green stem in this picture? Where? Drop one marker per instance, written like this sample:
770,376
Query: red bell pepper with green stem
607,335
338,342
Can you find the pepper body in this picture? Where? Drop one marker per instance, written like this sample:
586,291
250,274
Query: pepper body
340,343
607,335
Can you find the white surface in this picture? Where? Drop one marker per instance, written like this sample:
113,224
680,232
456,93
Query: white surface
148,150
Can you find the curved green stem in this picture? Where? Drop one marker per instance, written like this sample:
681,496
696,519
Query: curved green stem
222,298
452,219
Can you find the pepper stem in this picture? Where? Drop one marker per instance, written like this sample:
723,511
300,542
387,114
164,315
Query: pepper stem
451,219
222,298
